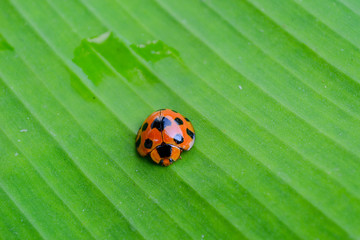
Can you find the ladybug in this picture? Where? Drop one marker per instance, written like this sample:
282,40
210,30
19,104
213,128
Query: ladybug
164,135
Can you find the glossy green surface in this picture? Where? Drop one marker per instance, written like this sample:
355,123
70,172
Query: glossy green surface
273,92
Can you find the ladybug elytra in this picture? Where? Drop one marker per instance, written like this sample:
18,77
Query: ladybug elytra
164,135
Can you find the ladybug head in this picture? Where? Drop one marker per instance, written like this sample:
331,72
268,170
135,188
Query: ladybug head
165,154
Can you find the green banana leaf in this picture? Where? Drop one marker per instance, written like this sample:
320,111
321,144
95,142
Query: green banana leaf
271,87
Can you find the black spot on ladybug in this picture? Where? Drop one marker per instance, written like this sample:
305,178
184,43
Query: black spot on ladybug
148,143
138,142
170,160
187,119
166,122
174,111
164,151
179,121
178,138
145,126
160,123
157,123
190,133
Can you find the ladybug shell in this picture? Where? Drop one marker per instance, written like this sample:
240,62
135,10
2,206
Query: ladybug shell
164,135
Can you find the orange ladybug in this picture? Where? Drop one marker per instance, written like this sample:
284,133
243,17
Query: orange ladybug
164,135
